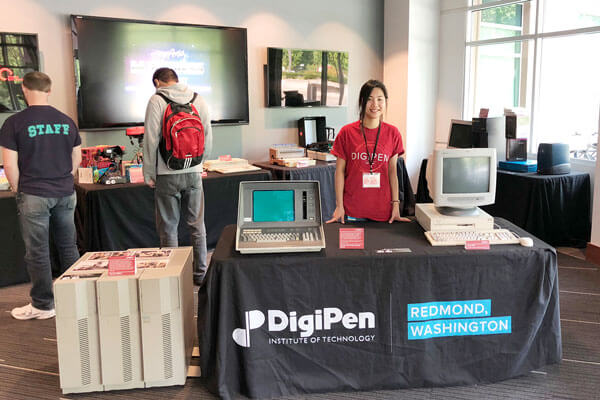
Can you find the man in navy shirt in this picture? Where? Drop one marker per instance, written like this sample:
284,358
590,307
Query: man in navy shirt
41,148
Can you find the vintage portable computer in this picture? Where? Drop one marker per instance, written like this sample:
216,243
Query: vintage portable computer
279,217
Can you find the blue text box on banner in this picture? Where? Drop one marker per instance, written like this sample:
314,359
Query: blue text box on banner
449,309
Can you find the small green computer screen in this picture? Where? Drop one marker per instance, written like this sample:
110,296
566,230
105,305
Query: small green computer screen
272,205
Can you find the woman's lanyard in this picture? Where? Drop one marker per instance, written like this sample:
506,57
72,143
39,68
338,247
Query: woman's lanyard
370,157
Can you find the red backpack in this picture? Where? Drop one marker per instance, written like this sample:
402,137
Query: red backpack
182,142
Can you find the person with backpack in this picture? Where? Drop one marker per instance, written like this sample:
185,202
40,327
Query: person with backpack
178,136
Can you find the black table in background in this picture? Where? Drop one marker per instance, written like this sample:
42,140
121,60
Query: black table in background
521,283
119,217
324,172
12,248
555,208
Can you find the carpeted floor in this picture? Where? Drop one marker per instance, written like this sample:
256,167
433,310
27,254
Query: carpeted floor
29,364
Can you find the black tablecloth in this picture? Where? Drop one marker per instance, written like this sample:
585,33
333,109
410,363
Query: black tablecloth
324,172
555,208
252,291
12,248
118,217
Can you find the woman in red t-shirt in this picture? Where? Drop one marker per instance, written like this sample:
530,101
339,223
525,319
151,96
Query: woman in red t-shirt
366,180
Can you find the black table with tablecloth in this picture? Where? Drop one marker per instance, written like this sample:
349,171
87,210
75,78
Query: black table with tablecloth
12,248
118,217
324,172
555,208
342,320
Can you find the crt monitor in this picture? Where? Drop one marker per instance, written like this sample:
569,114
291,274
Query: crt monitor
461,134
464,179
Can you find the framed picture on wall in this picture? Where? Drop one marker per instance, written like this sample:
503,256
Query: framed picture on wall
18,56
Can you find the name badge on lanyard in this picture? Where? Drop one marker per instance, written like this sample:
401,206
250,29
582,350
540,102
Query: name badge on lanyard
371,180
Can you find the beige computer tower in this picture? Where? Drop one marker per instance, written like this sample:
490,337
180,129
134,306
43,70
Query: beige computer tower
120,336
77,334
167,315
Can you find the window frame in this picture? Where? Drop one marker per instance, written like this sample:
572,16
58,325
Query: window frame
536,37
4,45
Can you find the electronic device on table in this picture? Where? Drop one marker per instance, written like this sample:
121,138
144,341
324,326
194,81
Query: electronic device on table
112,175
109,327
518,166
462,180
316,137
459,238
461,134
553,159
136,132
279,217
431,219
480,133
516,149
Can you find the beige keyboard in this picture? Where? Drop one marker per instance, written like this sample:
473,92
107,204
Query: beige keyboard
459,238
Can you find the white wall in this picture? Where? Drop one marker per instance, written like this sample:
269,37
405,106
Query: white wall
410,72
395,66
349,25
452,66
423,71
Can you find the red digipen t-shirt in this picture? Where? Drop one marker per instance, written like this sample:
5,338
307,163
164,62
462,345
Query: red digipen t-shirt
359,202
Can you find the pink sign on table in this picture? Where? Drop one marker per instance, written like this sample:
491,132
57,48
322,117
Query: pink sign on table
352,238
477,245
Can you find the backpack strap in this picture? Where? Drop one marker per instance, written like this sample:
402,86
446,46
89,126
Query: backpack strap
169,101
165,98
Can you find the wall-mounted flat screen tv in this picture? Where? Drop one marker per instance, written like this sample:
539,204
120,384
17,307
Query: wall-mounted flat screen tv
115,60
305,78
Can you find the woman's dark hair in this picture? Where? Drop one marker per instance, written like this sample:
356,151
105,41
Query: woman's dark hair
165,75
365,92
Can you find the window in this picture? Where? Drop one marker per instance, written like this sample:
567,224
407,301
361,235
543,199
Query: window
540,59
18,55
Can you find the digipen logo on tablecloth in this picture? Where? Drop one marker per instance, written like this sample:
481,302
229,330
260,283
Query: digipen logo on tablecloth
320,320
454,318
254,320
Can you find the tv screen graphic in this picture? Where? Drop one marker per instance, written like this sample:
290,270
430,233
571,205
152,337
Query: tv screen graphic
115,59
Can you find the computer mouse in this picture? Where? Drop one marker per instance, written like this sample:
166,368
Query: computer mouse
526,241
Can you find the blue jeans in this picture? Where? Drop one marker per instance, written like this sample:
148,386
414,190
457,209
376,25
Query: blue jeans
37,216
168,196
